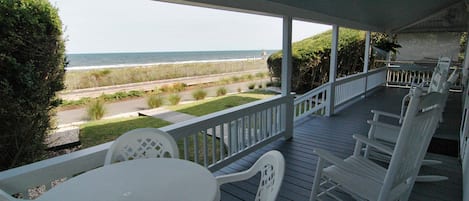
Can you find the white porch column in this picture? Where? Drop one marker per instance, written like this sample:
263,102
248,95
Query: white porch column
332,71
287,74
465,66
366,58
287,54
367,52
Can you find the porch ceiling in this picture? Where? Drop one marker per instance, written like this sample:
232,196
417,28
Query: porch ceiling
382,16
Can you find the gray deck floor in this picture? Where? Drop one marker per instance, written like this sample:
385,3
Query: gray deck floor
335,134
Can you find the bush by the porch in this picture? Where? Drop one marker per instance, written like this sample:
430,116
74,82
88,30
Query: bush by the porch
32,64
311,57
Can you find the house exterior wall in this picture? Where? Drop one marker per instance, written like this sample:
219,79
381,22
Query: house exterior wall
425,46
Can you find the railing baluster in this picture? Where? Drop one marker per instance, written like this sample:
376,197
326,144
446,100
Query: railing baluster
186,148
204,144
249,131
222,141
196,148
214,145
230,137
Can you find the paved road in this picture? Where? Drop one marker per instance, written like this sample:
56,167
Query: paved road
130,106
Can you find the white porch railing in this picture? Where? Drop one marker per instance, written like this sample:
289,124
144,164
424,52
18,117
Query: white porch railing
312,102
238,131
347,88
405,77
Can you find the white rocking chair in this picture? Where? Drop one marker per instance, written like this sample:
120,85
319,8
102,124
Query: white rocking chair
271,165
366,180
388,133
142,143
436,83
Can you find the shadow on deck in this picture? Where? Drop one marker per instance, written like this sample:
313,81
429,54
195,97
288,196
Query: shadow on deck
335,134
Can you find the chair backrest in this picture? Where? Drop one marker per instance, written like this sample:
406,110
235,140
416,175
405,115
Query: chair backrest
271,165
142,143
440,75
417,129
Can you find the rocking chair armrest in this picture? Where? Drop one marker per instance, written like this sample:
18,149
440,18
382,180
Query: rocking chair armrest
387,114
373,143
330,158
384,125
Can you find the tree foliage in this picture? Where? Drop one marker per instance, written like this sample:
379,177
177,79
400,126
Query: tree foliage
32,61
311,57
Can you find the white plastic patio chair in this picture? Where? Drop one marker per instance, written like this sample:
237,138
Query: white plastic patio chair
271,165
6,197
366,180
142,143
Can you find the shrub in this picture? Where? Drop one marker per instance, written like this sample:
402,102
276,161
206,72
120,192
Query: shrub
311,57
199,94
221,91
96,109
260,75
252,86
154,100
166,88
174,99
178,87
235,79
32,61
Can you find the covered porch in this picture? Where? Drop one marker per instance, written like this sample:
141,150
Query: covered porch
293,125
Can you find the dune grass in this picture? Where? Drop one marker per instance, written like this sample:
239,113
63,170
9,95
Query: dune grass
108,77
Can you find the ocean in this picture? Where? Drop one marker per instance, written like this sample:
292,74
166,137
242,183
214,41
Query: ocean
116,60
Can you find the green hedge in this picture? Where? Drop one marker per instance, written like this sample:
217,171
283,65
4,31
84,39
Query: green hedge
32,64
311,57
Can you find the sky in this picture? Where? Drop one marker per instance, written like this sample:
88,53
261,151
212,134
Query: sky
98,26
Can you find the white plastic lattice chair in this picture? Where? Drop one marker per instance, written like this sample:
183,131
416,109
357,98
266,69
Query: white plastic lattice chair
142,143
6,197
271,165
366,180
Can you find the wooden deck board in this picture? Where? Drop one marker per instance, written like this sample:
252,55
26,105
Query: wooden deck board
335,134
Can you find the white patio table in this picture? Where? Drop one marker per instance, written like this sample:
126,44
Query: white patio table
139,180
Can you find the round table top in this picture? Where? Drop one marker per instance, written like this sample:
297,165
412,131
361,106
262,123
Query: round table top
139,180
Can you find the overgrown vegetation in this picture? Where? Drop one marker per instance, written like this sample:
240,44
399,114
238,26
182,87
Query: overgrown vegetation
311,57
32,64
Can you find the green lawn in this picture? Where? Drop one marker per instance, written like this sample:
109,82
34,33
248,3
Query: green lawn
203,107
102,131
